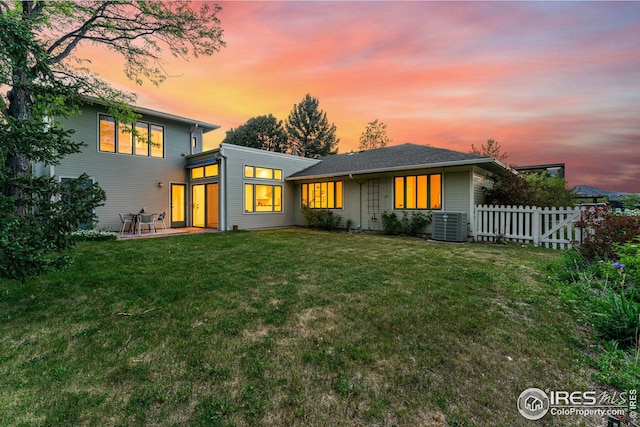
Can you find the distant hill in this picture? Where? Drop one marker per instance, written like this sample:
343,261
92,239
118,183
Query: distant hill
588,191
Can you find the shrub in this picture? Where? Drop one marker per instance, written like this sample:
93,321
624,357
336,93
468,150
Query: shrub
604,230
83,235
618,318
323,219
617,368
628,255
409,225
390,224
602,295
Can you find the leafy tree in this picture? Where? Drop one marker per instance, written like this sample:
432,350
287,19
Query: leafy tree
491,148
631,201
263,132
374,136
309,130
47,82
531,189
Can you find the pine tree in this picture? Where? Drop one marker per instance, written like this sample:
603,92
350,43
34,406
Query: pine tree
309,130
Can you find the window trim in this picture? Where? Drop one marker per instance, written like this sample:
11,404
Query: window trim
274,173
417,186
253,193
337,201
117,125
204,172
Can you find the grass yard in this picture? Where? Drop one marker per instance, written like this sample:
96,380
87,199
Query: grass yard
283,328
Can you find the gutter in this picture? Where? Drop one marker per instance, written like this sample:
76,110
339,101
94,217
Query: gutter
470,162
206,127
359,200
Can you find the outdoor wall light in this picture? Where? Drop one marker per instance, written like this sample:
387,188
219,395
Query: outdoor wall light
161,184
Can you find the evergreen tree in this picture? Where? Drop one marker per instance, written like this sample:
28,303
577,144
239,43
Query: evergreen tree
310,133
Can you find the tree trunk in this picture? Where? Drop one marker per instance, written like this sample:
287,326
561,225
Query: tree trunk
20,107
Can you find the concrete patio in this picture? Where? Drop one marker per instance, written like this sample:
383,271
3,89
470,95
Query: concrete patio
161,232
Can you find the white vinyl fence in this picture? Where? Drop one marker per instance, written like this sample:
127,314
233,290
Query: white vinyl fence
548,227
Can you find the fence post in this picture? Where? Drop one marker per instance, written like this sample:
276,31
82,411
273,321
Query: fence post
476,220
535,226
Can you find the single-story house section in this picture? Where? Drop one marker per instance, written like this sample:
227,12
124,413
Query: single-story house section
248,188
401,178
164,169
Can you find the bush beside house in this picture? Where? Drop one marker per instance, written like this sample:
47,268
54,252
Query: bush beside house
601,282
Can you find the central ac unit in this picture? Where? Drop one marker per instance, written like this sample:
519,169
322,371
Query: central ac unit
450,226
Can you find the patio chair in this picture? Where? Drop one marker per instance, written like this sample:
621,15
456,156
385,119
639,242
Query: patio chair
149,220
161,219
126,219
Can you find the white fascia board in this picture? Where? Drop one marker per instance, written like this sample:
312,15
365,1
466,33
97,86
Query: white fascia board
206,127
225,147
469,162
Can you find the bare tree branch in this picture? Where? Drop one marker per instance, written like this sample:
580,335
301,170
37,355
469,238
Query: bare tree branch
76,36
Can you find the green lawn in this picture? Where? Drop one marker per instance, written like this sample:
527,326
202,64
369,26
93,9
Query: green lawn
286,327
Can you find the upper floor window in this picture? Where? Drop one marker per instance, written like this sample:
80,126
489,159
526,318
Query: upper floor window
149,138
322,195
418,192
262,173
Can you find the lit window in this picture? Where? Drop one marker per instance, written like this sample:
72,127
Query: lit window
125,138
262,198
418,192
107,134
157,141
142,139
204,171
322,195
262,173
248,198
149,138
211,170
435,191
197,173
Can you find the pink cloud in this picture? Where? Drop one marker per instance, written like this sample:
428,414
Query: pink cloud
553,82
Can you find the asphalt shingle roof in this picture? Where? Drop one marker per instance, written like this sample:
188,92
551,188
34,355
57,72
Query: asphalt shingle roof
402,156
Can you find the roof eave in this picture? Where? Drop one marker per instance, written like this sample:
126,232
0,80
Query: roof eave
206,127
490,164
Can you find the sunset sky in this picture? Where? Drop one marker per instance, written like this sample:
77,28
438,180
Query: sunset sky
552,82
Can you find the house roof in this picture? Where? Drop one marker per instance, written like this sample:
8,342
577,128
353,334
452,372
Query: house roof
206,127
394,158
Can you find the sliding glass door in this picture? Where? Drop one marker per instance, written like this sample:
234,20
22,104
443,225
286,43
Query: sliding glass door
204,205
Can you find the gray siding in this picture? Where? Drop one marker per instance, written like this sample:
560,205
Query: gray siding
457,195
479,182
130,182
350,207
360,210
235,158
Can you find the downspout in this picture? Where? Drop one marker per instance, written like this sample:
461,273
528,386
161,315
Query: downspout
359,200
223,192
